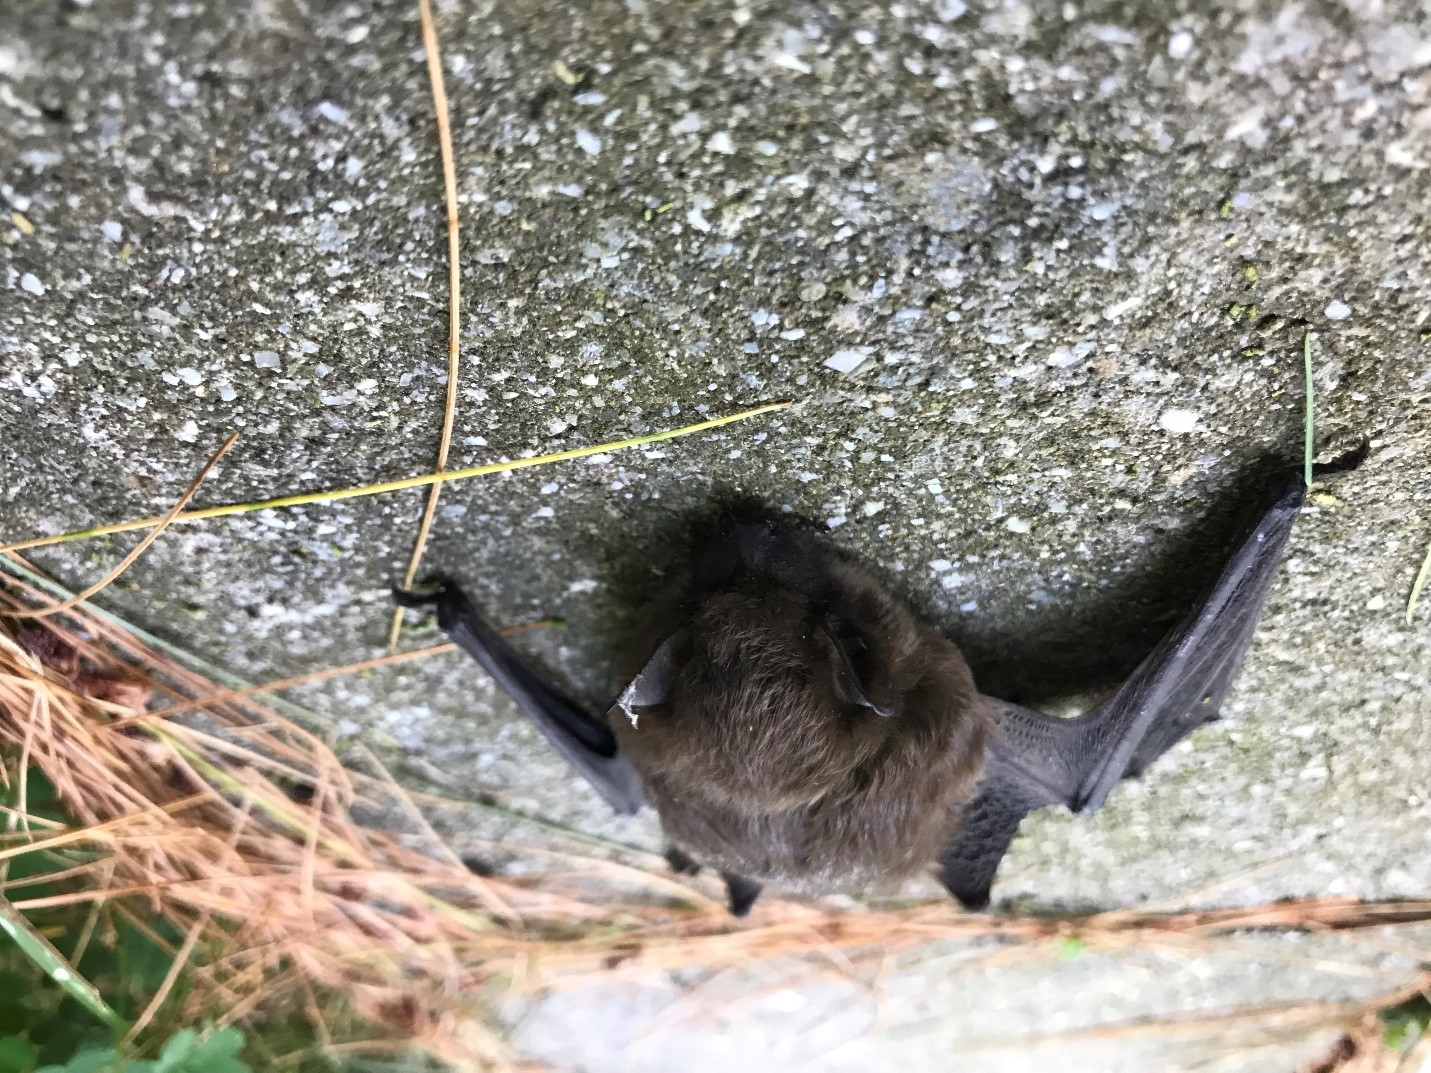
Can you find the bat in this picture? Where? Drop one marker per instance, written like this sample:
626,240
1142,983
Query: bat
797,726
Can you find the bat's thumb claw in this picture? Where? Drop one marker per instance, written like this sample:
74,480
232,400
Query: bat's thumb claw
410,598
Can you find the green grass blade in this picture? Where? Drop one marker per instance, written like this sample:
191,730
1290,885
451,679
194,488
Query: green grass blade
51,962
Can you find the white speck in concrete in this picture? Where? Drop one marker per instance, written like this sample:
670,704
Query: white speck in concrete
544,512
812,291
556,426
847,361
969,606
835,522
1180,421
371,310
934,486
190,376
590,98
584,585
721,142
588,142
31,283
112,230
1016,524
697,220
1376,603
984,125
1114,35
1118,309
791,62
690,123
793,333
864,37
941,566
332,113
1104,210
39,159
550,487
189,433
873,507
566,190
1337,310
227,393
266,359
1180,45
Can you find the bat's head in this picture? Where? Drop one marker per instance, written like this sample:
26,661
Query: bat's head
791,673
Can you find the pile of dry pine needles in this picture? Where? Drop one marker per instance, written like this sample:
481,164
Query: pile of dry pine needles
202,806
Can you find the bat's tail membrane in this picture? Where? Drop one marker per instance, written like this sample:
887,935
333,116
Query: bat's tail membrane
586,742
1181,685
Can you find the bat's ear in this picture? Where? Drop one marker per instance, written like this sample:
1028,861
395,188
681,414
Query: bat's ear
652,684
856,680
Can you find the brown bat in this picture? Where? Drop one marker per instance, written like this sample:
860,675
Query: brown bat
798,726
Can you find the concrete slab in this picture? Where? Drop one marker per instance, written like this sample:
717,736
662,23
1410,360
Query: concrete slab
1037,276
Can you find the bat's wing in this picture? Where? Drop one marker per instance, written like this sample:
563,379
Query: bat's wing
1034,760
1181,685
585,741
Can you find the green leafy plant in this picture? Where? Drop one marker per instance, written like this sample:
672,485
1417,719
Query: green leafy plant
185,1052
72,978
1403,1025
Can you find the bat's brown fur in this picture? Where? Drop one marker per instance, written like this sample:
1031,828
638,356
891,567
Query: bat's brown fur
756,763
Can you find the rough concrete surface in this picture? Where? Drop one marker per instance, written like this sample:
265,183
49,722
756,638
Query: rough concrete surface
1036,274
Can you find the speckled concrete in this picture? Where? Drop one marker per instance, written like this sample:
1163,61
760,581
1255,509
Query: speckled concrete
1036,275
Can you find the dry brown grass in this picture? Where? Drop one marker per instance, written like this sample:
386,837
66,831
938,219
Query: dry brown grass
237,827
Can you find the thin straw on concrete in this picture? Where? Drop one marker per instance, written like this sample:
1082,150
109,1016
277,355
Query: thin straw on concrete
454,297
306,498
